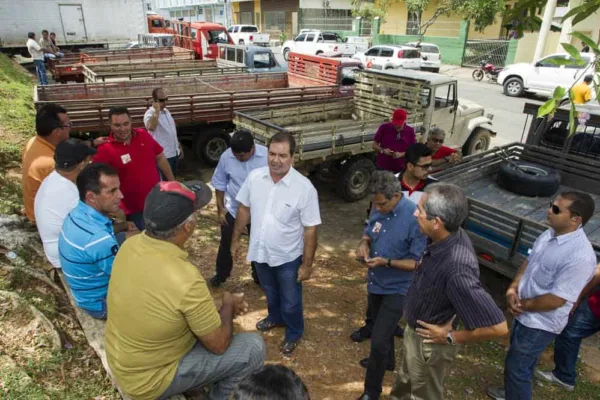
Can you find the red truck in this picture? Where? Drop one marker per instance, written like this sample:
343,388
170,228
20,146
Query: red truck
157,23
201,37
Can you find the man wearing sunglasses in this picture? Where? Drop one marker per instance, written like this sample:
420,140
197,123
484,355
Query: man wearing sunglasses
415,178
441,154
544,290
161,125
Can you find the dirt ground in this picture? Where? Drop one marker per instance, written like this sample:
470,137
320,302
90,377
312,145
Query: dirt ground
334,305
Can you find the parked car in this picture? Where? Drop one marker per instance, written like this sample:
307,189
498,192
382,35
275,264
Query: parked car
317,43
430,55
248,35
390,57
543,76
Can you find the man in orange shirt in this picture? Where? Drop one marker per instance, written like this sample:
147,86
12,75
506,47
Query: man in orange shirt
582,92
53,126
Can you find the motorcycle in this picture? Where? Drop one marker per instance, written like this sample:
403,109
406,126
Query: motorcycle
488,70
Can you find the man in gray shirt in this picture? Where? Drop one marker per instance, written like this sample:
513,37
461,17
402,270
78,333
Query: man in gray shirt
545,288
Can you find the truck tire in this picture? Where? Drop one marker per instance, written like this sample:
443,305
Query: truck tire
241,42
513,87
531,180
286,54
319,52
210,146
353,182
478,142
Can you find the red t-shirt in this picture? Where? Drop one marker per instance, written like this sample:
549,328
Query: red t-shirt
136,165
389,138
443,152
594,303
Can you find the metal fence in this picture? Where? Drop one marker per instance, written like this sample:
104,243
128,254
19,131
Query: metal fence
326,19
490,50
366,27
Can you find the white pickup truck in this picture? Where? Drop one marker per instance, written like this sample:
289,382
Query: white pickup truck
248,35
316,43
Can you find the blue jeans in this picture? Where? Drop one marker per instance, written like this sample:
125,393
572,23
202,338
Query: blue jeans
526,345
173,164
138,219
582,324
98,314
284,296
40,69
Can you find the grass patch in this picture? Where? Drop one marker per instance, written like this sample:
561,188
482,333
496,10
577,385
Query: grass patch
16,104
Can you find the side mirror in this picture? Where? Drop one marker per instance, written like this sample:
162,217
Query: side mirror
538,64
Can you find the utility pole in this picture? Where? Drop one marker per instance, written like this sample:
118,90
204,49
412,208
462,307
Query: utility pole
545,29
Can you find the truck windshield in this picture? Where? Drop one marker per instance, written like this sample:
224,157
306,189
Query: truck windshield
216,37
263,60
249,29
157,23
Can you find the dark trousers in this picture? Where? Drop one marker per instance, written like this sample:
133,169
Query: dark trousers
526,346
138,219
224,260
386,311
173,164
582,324
284,296
365,331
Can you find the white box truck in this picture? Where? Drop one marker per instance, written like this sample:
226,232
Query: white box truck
77,23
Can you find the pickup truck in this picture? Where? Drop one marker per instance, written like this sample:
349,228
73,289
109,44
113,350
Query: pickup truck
503,224
201,106
316,43
254,58
70,68
248,35
335,136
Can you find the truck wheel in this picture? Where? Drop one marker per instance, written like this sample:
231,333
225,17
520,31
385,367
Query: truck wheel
513,87
286,54
478,142
529,179
319,52
353,181
210,146
241,42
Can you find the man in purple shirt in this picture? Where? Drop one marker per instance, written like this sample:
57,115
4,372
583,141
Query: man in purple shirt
391,141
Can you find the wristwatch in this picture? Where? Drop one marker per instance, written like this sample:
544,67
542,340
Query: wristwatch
449,339
389,262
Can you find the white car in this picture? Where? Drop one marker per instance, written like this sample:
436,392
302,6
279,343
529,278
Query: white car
430,54
317,43
248,35
542,77
390,57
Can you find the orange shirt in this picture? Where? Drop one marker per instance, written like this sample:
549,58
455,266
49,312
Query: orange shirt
38,163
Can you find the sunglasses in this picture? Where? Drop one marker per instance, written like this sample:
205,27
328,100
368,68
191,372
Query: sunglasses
439,141
555,209
424,166
163,100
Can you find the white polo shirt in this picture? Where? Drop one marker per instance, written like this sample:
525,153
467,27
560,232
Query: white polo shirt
279,212
165,133
35,49
54,200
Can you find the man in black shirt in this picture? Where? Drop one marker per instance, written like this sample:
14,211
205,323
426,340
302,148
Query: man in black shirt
445,289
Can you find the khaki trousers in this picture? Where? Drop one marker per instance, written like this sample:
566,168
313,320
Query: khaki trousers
421,376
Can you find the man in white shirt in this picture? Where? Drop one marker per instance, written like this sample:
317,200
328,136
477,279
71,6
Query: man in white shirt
38,58
283,207
58,194
160,124
235,164
50,50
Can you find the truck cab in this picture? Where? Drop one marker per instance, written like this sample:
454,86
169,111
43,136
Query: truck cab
255,58
157,23
202,37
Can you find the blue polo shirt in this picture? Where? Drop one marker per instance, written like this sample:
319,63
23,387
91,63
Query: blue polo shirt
87,247
396,236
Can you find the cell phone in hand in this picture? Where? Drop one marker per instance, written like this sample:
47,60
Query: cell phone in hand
361,260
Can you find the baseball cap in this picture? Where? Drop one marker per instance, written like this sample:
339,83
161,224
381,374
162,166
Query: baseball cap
399,117
69,153
169,203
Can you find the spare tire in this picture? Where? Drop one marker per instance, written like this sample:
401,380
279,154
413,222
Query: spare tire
529,179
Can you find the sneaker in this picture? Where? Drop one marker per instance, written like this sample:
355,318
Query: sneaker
550,377
497,393
288,347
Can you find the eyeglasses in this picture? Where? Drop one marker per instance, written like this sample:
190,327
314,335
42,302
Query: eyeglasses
424,166
163,100
439,141
555,209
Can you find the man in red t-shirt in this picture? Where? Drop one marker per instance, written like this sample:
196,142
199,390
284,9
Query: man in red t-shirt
135,155
391,141
584,322
441,154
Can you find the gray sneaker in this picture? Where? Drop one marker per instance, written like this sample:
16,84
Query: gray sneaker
496,393
550,377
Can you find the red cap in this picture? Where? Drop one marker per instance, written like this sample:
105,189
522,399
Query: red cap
399,117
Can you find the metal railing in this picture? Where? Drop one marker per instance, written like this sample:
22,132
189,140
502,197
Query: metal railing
327,24
490,50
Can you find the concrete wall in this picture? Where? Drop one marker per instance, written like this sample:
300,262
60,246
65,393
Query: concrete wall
397,17
333,4
526,46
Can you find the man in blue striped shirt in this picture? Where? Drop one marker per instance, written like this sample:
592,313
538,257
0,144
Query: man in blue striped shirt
87,244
